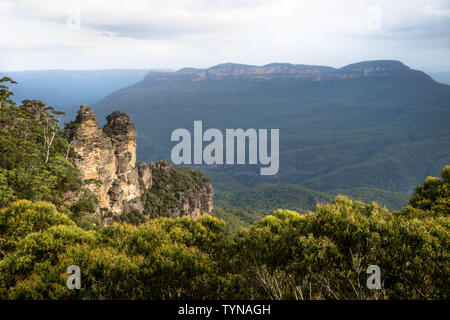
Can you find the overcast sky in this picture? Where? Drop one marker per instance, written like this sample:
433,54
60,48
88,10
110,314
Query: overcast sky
104,34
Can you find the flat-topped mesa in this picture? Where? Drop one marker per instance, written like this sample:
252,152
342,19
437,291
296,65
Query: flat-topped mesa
371,69
376,65
364,69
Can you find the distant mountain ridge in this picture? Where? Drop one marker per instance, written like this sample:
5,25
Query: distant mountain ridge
365,69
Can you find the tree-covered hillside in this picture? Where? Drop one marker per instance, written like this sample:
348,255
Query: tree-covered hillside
380,135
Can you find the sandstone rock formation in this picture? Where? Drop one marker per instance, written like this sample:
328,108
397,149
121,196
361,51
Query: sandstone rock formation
106,158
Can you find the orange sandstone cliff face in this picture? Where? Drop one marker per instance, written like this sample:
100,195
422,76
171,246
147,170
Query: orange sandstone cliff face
106,158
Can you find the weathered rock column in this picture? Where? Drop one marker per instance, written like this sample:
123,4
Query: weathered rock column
95,156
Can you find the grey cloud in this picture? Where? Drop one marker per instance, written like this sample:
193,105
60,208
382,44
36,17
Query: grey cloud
148,30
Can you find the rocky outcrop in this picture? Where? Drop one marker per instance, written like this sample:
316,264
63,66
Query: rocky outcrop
106,158
195,204
145,173
184,191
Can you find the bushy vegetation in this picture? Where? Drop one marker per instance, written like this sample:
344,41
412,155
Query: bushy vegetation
287,255
433,194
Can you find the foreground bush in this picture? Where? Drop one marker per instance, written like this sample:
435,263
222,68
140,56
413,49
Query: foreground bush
325,255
